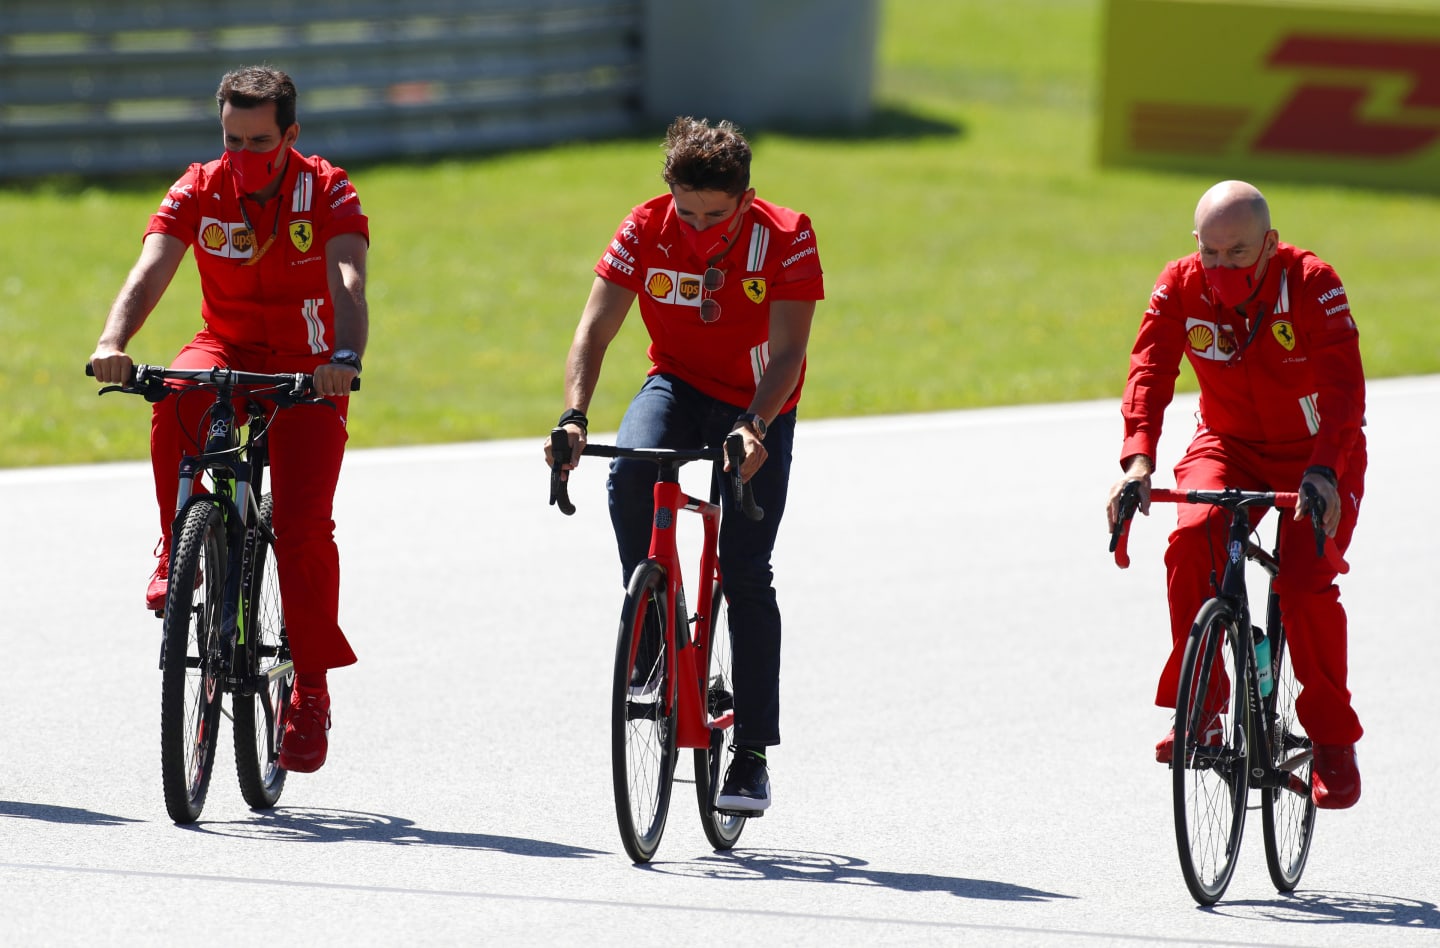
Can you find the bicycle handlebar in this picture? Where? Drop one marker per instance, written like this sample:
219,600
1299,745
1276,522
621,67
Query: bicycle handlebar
1229,498
149,380
560,455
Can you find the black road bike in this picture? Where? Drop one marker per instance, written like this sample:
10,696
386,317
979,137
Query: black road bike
1235,723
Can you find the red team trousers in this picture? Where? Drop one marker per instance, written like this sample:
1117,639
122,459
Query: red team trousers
307,443
1314,619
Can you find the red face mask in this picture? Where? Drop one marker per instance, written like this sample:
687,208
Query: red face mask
711,242
1233,286
253,169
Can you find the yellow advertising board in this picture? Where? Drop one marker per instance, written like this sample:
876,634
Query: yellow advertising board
1280,90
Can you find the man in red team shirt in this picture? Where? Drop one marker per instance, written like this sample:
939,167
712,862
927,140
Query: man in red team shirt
727,353
1268,330
280,242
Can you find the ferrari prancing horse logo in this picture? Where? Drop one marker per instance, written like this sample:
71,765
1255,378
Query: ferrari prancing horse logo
1284,334
755,289
301,235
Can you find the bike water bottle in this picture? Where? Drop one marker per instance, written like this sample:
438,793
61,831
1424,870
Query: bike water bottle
1262,663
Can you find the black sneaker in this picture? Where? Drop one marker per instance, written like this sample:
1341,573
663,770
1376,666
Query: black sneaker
649,662
645,680
747,783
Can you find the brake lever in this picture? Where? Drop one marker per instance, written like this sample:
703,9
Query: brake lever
1129,503
742,491
1316,505
560,456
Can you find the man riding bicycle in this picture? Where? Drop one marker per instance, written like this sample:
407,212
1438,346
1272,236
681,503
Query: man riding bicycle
280,243
1268,330
727,285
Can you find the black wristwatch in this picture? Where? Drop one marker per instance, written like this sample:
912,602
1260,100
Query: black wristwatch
754,422
346,357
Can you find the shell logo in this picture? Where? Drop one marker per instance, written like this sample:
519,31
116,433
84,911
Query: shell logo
213,237
660,286
1201,338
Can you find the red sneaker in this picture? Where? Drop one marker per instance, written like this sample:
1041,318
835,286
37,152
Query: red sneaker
302,748
1336,777
1210,736
159,586
159,583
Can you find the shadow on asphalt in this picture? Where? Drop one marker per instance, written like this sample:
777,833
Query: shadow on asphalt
45,813
796,866
1332,908
337,826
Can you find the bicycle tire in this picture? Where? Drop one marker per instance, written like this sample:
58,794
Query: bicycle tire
1288,813
259,718
191,684
642,730
721,829
1211,781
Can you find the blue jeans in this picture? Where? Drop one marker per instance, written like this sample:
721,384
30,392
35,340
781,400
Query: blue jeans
668,413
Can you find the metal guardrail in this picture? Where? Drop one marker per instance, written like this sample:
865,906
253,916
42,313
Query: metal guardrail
97,87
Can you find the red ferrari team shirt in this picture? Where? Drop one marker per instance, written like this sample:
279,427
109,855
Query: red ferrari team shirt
1289,377
274,299
775,257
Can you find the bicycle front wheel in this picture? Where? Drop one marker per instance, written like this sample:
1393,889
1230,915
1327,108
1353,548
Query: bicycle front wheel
721,829
1210,772
191,685
1287,813
642,729
260,711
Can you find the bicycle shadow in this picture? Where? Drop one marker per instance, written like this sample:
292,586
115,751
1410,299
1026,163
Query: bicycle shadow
312,825
69,815
1337,908
797,866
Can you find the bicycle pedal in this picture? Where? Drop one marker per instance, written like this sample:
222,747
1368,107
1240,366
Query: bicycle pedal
745,814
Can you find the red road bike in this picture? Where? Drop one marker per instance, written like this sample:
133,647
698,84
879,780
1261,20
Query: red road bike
672,686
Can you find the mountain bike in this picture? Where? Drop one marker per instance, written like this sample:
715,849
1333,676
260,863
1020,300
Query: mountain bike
672,685
1235,723
223,629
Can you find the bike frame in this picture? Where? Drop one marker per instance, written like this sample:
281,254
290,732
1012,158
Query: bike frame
237,474
688,649
1233,590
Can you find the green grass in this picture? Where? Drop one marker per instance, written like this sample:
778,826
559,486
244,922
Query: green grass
974,255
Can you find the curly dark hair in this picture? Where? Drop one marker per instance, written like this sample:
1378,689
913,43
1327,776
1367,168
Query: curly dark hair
250,86
702,157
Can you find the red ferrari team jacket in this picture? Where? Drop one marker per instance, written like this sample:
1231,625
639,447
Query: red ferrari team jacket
1289,375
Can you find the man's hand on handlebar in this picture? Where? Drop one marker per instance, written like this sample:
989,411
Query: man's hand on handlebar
1138,472
332,379
111,366
577,447
755,454
1328,496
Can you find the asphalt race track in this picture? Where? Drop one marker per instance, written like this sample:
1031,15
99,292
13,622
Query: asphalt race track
967,714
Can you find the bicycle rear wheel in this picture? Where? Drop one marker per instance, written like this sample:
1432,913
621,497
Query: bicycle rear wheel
1210,774
259,715
191,684
721,829
1288,813
643,709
